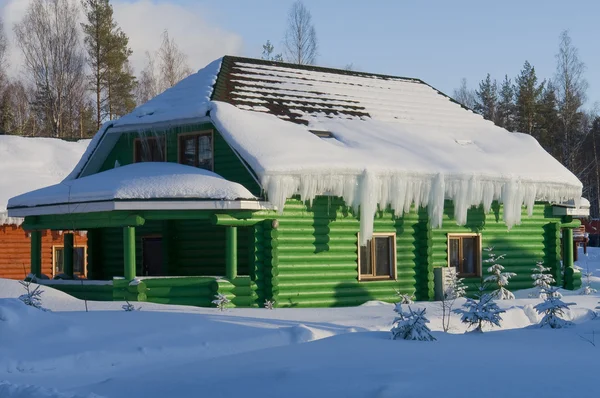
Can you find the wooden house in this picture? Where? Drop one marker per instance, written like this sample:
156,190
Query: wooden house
26,164
304,185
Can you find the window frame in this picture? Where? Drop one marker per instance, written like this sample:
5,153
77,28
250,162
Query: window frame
163,138
478,266
393,275
196,134
85,262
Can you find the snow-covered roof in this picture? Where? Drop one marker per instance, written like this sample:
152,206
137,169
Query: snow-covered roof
393,141
31,163
138,181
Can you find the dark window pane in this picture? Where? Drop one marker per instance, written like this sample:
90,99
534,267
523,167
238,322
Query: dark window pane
150,149
79,260
383,249
205,152
59,260
454,252
365,260
188,156
469,256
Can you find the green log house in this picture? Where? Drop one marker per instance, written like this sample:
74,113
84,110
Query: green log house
176,246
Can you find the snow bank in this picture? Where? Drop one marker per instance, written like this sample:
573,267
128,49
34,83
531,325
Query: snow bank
31,163
397,164
10,390
147,180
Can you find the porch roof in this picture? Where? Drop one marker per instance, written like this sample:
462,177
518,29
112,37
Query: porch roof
139,186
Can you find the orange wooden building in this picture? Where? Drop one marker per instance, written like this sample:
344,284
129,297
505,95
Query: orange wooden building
27,164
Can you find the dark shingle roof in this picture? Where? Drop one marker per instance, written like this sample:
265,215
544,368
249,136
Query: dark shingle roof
293,92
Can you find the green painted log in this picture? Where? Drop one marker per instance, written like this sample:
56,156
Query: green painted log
193,301
36,253
231,261
183,282
178,291
227,220
68,254
129,253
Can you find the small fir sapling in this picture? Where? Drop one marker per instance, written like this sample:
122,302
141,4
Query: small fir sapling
553,308
404,298
480,312
454,288
542,279
587,288
269,304
498,278
33,296
411,325
220,301
130,307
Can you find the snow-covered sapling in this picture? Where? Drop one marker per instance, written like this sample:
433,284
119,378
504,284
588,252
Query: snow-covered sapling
130,307
33,296
454,288
411,325
404,298
587,288
480,312
553,308
220,301
269,304
498,278
542,279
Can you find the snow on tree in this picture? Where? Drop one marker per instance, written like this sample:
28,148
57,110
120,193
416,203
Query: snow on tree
33,296
587,288
411,325
498,277
269,304
480,312
128,307
405,298
454,288
553,308
542,278
220,301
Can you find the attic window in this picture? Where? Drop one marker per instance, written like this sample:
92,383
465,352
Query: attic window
196,149
149,149
322,133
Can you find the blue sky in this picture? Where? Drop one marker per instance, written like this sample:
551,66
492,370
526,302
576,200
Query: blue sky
437,41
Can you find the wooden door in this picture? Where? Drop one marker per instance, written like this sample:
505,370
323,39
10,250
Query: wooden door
152,256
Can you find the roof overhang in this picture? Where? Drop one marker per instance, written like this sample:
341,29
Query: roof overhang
138,205
569,210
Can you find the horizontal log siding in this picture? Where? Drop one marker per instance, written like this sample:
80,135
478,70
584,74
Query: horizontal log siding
15,251
315,263
536,239
226,163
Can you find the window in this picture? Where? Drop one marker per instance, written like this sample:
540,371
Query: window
79,260
464,253
196,150
149,149
377,260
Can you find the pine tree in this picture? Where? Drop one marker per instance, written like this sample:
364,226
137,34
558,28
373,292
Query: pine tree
480,312
528,94
221,301
108,52
487,98
542,279
498,278
268,53
548,121
553,309
411,325
505,115
455,288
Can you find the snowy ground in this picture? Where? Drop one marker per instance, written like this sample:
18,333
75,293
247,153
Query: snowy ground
175,351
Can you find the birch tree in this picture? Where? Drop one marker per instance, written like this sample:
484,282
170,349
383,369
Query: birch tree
49,38
300,40
571,88
173,66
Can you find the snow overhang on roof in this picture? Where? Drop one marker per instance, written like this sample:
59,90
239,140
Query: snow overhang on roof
139,186
390,141
569,208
